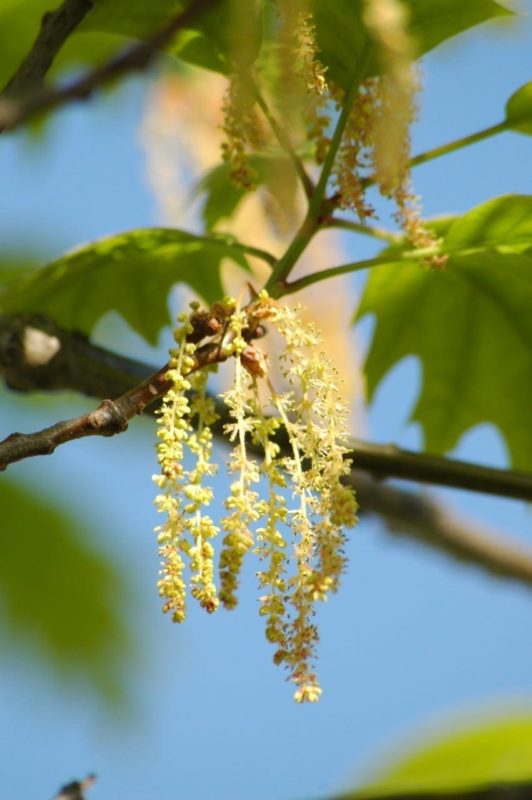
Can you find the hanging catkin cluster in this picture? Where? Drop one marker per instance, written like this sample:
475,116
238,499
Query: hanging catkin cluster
375,144
287,502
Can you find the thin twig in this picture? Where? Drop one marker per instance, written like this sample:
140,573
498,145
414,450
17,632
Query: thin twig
456,144
73,362
56,27
111,416
366,230
14,111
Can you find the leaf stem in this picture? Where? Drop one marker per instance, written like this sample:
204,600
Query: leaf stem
457,144
451,147
228,240
369,263
356,266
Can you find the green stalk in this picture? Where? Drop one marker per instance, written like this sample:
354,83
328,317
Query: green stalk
244,248
366,230
356,266
465,141
333,272
276,285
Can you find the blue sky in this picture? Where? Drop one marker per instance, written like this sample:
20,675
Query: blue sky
409,637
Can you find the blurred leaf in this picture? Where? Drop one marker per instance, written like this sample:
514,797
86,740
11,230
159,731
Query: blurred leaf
57,593
487,754
504,223
342,37
222,196
133,18
130,273
519,110
217,39
195,48
211,43
232,29
469,324
12,266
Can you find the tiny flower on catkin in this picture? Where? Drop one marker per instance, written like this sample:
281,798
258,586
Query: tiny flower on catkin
296,528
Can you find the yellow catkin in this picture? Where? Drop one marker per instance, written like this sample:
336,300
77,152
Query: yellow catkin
314,418
305,502
354,154
395,110
240,129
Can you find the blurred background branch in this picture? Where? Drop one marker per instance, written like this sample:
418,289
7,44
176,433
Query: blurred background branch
56,27
15,110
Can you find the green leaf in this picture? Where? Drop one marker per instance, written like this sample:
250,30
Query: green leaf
489,754
130,273
222,196
504,223
469,324
342,37
220,35
519,110
133,18
57,594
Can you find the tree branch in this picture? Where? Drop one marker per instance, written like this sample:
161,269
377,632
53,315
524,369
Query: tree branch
75,363
111,416
385,461
366,230
36,354
416,517
15,111
56,27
